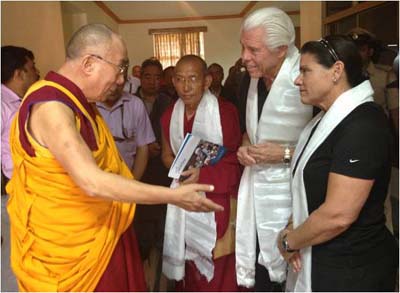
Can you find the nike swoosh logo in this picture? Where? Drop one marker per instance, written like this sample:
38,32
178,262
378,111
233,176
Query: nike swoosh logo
353,161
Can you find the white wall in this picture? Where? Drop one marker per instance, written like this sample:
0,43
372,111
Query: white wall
284,5
32,24
312,24
221,41
78,13
36,26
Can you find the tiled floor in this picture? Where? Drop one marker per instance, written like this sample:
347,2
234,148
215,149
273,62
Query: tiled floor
8,282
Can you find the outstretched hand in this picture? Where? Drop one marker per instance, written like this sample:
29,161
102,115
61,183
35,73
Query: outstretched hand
190,199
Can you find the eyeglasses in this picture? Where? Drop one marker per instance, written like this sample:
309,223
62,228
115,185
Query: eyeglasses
190,79
122,69
330,49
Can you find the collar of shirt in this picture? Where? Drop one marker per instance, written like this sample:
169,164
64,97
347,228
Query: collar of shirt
125,98
132,78
8,96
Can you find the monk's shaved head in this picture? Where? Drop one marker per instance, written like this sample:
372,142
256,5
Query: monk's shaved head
192,59
91,37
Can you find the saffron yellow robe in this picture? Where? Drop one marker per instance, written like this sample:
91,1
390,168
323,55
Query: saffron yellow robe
61,238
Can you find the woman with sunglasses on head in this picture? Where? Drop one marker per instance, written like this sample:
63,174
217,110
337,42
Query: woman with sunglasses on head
340,173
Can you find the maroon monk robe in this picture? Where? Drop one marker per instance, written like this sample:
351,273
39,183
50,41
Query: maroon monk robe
225,176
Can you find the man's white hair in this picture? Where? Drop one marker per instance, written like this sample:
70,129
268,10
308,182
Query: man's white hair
278,27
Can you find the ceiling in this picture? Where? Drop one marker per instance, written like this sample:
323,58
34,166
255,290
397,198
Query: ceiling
164,11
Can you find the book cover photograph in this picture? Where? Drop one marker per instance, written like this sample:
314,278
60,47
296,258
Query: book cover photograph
195,152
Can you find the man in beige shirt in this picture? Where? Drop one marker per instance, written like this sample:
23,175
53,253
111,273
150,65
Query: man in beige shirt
379,75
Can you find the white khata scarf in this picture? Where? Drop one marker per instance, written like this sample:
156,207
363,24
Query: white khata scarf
190,235
339,110
264,200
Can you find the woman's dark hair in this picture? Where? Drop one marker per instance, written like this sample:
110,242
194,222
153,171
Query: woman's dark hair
338,47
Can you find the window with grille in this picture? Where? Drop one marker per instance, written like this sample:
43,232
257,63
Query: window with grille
171,44
379,17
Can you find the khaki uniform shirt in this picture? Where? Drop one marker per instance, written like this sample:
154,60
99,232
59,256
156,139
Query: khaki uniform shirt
380,76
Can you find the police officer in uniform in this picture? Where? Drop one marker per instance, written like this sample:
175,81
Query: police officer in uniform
382,79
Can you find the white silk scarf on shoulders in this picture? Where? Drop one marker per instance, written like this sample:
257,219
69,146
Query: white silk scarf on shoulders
264,200
189,235
343,106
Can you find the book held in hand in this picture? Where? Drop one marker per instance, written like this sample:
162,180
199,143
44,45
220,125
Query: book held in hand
195,152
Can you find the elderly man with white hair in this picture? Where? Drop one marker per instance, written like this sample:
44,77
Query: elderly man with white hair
272,119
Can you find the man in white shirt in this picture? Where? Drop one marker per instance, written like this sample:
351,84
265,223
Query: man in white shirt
133,81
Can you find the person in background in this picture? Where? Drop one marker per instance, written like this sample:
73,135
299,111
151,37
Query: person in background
217,73
233,82
132,83
130,126
156,103
149,222
18,73
338,240
72,198
393,90
201,259
272,119
380,77
167,87
136,71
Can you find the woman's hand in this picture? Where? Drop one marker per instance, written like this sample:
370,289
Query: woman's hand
295,261
292,258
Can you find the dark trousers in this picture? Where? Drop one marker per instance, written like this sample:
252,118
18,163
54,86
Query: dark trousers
377,276
4,181
263,282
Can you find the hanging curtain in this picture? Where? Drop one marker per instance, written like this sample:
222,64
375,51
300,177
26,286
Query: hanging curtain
168,48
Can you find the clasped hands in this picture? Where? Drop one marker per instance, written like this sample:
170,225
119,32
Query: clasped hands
262,153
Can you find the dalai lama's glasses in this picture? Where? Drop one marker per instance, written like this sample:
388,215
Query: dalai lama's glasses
330,49
122,69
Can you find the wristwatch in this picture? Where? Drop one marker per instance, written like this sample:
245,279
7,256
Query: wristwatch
285,244
287,156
